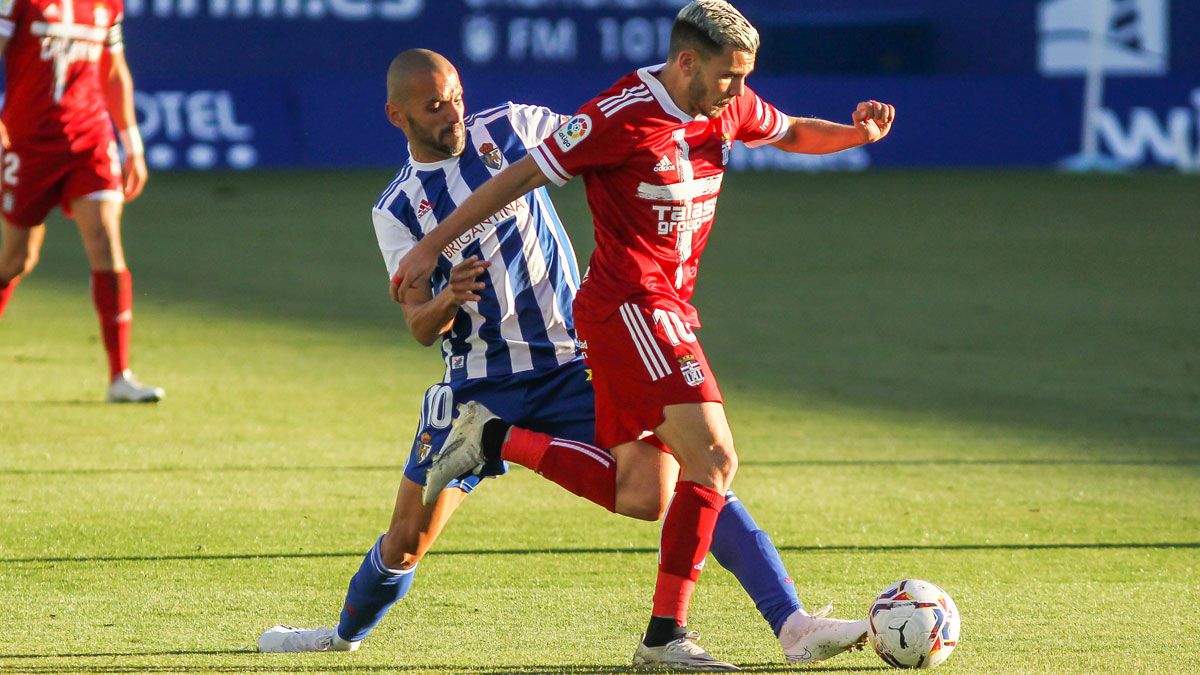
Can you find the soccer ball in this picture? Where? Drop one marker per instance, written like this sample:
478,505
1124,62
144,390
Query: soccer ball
913,624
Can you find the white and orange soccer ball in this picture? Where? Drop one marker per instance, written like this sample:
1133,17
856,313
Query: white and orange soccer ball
913,624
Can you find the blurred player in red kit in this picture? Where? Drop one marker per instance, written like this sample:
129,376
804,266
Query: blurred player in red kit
67,84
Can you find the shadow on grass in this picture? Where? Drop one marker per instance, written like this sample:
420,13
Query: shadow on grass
1094,546
325,469
280,663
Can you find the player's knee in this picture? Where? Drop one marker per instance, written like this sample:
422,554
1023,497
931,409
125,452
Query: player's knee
723,464
17,264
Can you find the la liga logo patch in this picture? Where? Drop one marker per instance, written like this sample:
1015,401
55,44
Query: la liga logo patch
575,130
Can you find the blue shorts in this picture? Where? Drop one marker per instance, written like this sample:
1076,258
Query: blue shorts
558,402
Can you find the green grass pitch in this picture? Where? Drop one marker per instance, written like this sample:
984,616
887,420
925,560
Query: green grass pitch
990,380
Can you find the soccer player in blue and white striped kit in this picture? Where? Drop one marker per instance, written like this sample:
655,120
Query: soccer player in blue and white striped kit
501,301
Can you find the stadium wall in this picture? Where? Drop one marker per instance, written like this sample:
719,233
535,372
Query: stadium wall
294,83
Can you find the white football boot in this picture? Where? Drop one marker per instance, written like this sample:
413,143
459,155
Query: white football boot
462,452
278,639
679,654
126,388
809,639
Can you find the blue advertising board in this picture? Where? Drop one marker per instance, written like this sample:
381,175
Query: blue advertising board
283,83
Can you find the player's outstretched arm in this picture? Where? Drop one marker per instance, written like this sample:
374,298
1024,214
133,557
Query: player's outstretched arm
427,315
118,94
499,191
871,121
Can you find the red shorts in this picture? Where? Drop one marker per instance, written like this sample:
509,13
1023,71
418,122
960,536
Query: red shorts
642,358
34,181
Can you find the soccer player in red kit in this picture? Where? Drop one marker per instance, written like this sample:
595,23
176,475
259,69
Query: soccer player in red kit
67,84
652,151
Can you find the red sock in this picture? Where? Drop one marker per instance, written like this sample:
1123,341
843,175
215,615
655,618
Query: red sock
581,469
686,537
6,292
112,293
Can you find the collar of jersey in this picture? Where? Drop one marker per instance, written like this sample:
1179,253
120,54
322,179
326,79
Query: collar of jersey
431,166
660,94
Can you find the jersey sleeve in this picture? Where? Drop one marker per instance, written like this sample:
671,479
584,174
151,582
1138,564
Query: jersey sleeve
534,123
395,238
758,122
586,142
10,13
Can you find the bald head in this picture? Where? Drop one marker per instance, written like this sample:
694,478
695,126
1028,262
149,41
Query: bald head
415,67
425,100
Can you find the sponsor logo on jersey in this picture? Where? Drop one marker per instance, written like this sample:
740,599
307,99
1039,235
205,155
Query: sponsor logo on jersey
688,217
424,208
491,156
693,374
664,164
575,130
508,213
458,361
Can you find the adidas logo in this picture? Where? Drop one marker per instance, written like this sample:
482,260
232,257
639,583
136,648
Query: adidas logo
424,208
664,164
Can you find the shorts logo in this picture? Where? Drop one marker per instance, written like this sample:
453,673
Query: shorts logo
425,447
575,130
8,201
6,7
726,148
693,374
458,361
491,156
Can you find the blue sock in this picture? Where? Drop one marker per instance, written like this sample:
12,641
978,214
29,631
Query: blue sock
373,589
747,552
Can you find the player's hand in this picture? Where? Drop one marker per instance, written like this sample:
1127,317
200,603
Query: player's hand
464,284
414,267
874,119
4,142
135,176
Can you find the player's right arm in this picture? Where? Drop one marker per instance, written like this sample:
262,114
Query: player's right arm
429,316
500,190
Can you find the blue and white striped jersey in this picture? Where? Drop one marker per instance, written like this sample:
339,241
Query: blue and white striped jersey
523,321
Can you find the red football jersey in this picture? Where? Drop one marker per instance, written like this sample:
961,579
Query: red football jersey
652,175
54,96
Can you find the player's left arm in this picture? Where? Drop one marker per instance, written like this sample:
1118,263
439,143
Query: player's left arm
118,93
871,121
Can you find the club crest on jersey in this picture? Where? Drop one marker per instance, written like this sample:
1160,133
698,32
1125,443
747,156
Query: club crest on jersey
101,16
425,447
458,361
424,208
491,156
51,12
693,374
575,130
